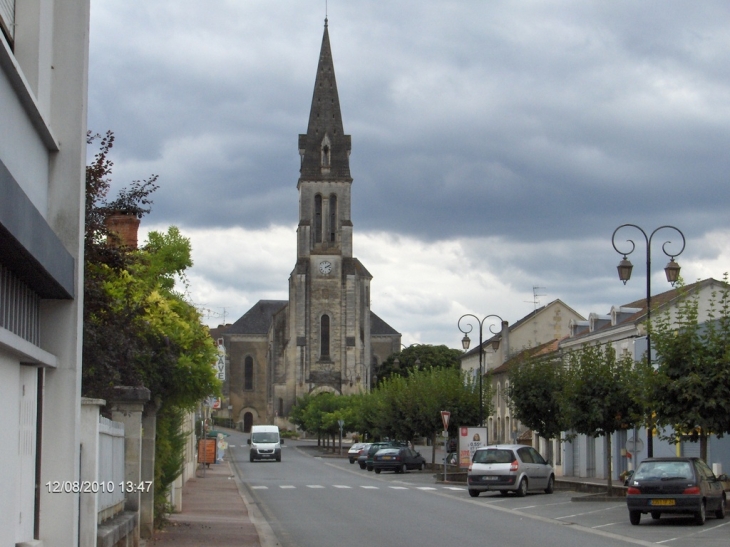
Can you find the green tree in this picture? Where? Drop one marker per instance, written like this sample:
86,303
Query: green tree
138,329
535,384
692,379
419,356
597,397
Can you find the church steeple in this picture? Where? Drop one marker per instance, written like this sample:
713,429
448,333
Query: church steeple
325,149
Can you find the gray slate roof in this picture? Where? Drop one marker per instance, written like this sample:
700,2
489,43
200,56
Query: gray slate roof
258,319
380,327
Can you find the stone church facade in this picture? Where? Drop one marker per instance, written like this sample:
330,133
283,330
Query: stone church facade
325,337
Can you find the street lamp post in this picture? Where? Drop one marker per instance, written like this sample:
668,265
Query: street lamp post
465,344
417,362
624,273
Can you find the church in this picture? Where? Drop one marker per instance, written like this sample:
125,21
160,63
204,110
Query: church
325,337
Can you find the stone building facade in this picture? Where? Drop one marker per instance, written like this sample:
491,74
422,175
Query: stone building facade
325,337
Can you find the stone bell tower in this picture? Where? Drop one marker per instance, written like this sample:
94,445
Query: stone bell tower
329,290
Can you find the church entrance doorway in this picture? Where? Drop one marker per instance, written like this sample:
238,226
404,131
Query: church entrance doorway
247,422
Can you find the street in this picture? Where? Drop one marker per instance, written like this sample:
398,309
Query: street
313,501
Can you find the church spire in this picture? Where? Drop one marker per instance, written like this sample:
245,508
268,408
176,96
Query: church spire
325,149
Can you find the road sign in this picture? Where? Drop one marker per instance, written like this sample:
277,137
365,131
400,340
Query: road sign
634,446
445,415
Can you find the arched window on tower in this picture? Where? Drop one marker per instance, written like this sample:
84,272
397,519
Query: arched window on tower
318,218
325,159
325,336
333,217
248,373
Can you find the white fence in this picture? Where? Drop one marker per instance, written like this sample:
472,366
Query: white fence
110,493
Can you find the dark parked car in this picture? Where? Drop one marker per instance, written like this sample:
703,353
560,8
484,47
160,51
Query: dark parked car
675,485
367,462
362,458
397,459
509,467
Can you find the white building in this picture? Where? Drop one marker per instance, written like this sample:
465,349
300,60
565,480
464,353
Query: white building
43,100
625,329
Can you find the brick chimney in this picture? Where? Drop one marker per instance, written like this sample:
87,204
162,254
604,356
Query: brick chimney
124,226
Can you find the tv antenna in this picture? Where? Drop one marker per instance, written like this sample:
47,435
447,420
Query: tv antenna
536,296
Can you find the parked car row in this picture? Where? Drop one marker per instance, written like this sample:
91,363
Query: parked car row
385,455
659,485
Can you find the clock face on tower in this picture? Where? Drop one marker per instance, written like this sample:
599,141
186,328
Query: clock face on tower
325,267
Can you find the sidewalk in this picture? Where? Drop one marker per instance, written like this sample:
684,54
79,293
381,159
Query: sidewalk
215,512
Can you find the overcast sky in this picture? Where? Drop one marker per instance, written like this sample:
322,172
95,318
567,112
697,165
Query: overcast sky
495,145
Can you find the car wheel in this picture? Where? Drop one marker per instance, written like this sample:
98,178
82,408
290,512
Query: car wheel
369,467
352,461
656,515
278,458
634,517
403,468
550,485
522,489
720,513
503,492
250,457
473,493
701,515
420,467
377,471
362,466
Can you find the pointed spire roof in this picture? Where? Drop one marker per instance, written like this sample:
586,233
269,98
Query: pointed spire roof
325,149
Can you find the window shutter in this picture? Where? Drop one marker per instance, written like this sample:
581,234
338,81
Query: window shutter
7,18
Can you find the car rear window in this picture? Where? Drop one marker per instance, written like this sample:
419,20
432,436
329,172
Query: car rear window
663,470
494,455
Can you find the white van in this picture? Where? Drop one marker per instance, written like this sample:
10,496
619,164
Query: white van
265,443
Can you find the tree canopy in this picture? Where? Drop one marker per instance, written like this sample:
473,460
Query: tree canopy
419,356
535,385
138,329
597,397
692,381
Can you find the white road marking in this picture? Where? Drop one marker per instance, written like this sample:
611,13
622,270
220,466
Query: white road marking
341,486
259,488
370,487
315,486
586,513
425,488
285,486
454,488
398,487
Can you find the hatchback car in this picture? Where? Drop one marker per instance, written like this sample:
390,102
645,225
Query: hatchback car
355,451
374,447
398,460
675,485
509,468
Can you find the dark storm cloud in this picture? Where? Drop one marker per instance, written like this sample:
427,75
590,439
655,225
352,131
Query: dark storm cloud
524,131
521,120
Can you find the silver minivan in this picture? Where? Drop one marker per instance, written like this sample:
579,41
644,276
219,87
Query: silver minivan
509,468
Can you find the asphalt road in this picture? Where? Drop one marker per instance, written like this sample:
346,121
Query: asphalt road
311,501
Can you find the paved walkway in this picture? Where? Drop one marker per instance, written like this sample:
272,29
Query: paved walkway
215,512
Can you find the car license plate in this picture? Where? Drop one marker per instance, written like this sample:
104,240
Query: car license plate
387,457
489,478
662,502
